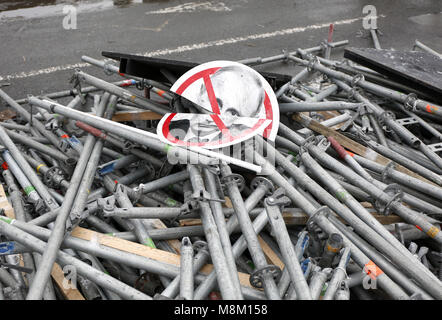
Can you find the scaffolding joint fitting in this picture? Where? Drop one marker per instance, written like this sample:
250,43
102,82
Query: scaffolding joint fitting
278,198
395,193
257,277
262,181
233,179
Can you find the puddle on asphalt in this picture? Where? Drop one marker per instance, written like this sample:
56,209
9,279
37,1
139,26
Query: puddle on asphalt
430,19
13,9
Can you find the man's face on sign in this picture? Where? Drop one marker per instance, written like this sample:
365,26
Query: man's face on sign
239,94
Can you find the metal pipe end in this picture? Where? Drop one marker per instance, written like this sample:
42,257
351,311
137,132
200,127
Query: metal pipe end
185,242
70,162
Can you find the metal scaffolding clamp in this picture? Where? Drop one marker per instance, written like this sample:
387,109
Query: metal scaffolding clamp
203,195
260,180
233,178
53,177
256,278
395,193
106,205
278,198
411,102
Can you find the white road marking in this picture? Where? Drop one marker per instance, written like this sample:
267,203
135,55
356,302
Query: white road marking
192,7
184,48
157,29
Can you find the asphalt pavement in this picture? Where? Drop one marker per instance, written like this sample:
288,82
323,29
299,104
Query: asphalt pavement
37,55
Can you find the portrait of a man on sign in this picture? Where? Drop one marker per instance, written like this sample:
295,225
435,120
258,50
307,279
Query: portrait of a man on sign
237,102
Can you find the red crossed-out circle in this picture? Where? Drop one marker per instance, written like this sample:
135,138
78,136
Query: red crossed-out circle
205,75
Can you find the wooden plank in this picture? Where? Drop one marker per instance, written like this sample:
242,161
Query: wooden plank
298,218
271,256
135,115
366,204
352,145
190,222
7,114
5,205
228,203
142,250
68,293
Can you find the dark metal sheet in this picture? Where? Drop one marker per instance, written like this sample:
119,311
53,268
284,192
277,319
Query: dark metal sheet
419,70
150,68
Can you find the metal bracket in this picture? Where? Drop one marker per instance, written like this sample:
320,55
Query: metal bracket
278,198
307,142
75,218
406,121
219,186
323,143
436,147
203,195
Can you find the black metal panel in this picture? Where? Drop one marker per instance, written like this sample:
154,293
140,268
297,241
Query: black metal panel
419,70
150,68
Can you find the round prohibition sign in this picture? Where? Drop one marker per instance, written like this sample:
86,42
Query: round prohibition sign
239,101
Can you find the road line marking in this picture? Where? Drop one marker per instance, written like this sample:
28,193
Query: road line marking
184,48
192,7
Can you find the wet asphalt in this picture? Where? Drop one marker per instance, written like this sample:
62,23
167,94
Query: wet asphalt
34,45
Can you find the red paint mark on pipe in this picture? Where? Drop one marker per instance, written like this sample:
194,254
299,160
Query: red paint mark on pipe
337,146
330,33
96,132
